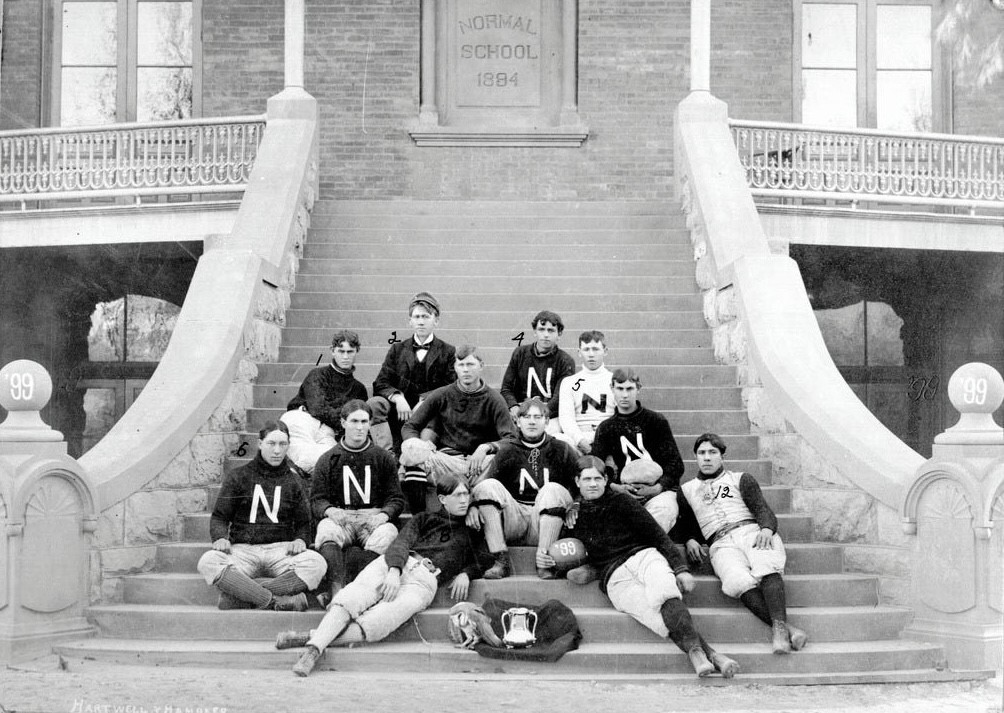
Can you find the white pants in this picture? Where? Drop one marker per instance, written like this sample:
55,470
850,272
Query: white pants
309,439
263,561
641,585
356,528
436,464
664,508
362,602
739,565
521,522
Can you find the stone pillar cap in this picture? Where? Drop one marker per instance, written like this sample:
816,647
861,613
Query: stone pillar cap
25,389
976,390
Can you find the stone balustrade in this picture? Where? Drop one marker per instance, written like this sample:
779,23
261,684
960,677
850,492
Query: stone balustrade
954,513
48,514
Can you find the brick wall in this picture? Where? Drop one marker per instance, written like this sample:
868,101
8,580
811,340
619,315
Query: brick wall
362,64
978,111
20,64
751,55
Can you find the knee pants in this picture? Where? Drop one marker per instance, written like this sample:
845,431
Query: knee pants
521,522
739,565
641,585
268,560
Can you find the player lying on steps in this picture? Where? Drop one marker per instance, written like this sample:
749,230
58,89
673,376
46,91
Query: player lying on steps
640,570
633,437
433,548
537,369
355,495
259,527
471,422
312,416
726,510
522,497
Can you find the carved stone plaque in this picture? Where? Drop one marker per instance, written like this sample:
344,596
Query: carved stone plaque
497,53
499,73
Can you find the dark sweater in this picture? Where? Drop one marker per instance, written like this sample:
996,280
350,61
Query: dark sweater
446,540
687,528
518,385
402,373
329,484
281,495
324,391
556,457
614,527
647,431
463,420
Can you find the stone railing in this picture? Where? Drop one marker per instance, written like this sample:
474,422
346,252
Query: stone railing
159,460
842,464
866,165
199,156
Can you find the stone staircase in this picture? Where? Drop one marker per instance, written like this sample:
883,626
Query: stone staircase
623,268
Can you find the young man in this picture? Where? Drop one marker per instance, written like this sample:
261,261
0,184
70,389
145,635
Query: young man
523,496
259,528
472,421
635,433
412,369
727,510
584,398
536,369
355,494
639,568
312,416
434,548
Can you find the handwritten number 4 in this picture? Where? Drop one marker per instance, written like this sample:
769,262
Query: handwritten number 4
518,339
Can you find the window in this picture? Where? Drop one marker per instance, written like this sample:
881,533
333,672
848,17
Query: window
126,60
870,63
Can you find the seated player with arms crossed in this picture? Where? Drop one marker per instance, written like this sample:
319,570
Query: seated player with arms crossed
727,510
640,570
584,398
472,422
523,496
634,441
355,495
259,527
537,369
312,416
433,548
412,369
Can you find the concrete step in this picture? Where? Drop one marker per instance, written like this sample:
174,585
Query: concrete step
742,447
729,423
447,266
597,282
599,625
655,397
490,221
793,527
700,354
889,661
689,334
658,249
670,210
701,375
802,591
392,297
513,322
549,241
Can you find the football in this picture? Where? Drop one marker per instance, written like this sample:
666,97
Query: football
568,553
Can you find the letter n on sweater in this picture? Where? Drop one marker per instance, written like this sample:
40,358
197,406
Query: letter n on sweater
271,509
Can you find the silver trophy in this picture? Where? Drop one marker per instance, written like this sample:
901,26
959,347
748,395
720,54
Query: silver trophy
520,626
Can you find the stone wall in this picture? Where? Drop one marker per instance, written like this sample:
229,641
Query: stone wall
871,532
21,64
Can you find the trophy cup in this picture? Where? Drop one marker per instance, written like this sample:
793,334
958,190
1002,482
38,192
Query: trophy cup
520,625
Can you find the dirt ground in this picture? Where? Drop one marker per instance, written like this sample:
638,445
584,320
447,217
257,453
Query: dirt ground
44,686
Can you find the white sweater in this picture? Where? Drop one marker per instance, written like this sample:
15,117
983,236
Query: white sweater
584,401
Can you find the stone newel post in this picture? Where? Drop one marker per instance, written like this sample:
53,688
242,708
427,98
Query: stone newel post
955,507
47,516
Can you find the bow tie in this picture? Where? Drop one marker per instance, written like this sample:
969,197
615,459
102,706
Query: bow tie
416,347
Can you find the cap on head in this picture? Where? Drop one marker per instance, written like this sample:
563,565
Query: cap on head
424,299
712,438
